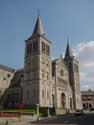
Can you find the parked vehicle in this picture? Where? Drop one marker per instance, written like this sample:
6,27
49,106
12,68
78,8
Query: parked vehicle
91,109
79,112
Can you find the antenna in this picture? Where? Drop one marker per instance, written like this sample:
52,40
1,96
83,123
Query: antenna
38,12
61,55
67,39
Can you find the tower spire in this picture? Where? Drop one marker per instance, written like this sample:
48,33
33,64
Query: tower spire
38,29
68,50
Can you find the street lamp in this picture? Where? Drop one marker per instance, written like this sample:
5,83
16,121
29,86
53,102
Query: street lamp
21,101
37,111
48,112
21,93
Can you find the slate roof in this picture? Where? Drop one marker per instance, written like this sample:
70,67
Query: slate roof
6,68
68,51
87,92
38,29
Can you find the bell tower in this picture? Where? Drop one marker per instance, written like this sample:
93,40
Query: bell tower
37,68
74,80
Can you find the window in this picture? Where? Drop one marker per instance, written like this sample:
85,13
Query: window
47,50
29,49
35,46
8,75
61,72
42,62
21,75
47,77
70,66
43,93
4,78
47,94
0,92
75,68
53,69
43,47
42,75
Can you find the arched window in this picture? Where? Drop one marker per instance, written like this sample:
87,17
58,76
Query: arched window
53,100
43,93
43,47
29,49
63,103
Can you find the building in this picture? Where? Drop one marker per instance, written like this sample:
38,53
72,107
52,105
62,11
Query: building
6,74
87,99
43,81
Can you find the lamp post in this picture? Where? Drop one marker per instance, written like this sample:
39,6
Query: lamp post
21,94
48,112
37,111
21,101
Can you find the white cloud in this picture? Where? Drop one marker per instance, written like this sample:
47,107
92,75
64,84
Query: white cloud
85,54
85,87
83,75
89,65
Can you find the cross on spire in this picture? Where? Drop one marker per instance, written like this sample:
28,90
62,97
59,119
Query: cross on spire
38,12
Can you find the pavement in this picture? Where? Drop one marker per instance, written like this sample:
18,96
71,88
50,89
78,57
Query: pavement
72,119
23,120
68,119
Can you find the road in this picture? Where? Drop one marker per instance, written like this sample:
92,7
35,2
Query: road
86,119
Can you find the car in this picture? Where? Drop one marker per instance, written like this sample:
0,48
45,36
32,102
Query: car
79,112
91,109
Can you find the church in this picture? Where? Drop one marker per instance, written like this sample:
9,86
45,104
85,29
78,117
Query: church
43,81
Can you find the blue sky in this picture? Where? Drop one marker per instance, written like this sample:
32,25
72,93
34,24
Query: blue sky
60,18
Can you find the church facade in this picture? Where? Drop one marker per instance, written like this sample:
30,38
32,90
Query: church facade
43,81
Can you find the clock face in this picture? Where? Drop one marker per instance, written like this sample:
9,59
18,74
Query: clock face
61,72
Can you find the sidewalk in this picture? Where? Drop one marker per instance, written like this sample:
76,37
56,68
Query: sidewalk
24,120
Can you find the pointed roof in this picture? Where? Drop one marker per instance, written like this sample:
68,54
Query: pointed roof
68,51
38,29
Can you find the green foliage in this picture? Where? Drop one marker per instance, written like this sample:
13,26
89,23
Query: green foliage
23,110
43,112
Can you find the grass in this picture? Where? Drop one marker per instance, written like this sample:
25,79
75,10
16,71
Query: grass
23,110
42,113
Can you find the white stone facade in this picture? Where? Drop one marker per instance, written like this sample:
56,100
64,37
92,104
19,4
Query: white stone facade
47,82
6,74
